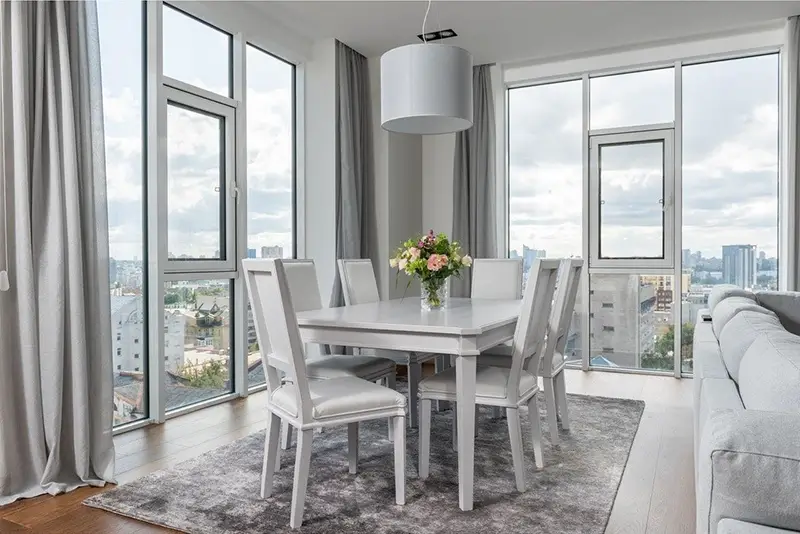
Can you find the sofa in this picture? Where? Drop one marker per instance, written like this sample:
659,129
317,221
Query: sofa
746,351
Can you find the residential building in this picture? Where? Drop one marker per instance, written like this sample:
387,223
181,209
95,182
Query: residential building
739,265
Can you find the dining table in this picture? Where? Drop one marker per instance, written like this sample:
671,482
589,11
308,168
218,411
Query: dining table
463,329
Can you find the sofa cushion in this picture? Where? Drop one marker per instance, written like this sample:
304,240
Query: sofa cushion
740,332
769,374
728,308
785,304
723,291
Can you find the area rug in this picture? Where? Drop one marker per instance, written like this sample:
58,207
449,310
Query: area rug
218,492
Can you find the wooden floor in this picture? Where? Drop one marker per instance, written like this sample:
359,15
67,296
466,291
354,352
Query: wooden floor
656,494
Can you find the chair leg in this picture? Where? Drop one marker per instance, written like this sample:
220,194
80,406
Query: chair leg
515,435
424,438
455,427
286,435
561,400
302,467
400,458
271,455
552,410
352,447
536,430
391,383
414,376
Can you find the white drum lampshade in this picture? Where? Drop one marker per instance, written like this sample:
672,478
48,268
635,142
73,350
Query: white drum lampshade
426,89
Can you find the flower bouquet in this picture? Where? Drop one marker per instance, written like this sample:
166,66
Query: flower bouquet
433,259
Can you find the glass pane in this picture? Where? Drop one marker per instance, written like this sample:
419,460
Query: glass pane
195,52
196,185
270,170
632,99
631,321
197,341
631,200
545,176
730,179
120,26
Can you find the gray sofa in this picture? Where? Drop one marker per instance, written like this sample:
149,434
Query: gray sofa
747,412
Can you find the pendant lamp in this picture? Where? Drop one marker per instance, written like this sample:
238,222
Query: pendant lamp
426,89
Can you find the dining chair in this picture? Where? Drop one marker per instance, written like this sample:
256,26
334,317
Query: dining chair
360,287
553,361
510,388
309,404
302,281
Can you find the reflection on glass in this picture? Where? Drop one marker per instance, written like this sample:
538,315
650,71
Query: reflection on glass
195,178
270,171
195,52
631,200
632,99
120,25
631,321
730,180
197,341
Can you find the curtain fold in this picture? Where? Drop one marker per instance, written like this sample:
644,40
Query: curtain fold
792,138
355,172
56,397
474,180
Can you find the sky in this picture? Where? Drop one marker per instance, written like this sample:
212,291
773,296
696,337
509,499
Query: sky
199,55
730,160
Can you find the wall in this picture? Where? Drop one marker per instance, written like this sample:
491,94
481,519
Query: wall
437,182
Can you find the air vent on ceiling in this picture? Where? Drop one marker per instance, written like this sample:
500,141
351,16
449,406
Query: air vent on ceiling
437,36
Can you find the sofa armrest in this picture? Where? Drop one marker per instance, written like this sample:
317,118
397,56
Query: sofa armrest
749,469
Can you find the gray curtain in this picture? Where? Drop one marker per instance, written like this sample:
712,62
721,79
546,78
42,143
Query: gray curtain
56,404
474,180
792,51
355,171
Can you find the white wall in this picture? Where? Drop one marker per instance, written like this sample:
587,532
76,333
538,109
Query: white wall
437,182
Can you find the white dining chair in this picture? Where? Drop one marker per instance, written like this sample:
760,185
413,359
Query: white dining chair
360,287
302,280
553,361
509,388
309,404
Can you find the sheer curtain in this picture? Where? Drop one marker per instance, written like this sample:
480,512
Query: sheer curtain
56,400
474,179
791,101
355,173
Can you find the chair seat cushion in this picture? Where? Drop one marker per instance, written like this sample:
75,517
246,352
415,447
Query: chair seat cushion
491,382
338,366
337,397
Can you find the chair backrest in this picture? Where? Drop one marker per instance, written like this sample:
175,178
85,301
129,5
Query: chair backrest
496,278
537,303
569,280
276,325
358,282
301,275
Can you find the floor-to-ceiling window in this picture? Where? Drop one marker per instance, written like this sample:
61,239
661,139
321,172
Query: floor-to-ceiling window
675,191
175,223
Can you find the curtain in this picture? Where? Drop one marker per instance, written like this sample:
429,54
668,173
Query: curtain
56,403
474,180
355,171
792,137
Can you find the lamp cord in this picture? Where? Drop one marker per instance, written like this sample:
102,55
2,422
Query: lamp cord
424,22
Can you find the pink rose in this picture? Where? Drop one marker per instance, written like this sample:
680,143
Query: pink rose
414,253
437,261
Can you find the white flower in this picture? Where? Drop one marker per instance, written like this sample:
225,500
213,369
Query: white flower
466,261
402,264
393,263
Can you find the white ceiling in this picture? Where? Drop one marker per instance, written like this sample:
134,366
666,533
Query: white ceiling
515,30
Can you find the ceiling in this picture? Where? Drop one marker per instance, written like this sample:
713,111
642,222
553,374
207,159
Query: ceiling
515,30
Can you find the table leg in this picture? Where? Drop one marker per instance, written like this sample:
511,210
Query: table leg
465,386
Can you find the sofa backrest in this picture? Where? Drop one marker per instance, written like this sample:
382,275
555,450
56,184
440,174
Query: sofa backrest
728,308
786,305
723,291
769,373
740,333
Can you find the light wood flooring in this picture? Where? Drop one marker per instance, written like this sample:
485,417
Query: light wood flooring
656,494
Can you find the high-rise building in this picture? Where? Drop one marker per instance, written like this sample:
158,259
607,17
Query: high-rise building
251,253
687,257
739,265
275,251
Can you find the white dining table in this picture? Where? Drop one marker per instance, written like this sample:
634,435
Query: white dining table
463,329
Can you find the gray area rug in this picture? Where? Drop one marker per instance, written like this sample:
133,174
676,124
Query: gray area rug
218,492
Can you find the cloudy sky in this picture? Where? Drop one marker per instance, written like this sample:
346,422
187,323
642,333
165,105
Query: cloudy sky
730,160
196,54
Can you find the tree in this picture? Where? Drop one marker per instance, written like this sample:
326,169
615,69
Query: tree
662,355
171,298
212,375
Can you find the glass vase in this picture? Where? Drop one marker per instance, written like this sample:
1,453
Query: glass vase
435,294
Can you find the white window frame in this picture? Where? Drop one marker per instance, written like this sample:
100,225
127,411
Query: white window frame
633,136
